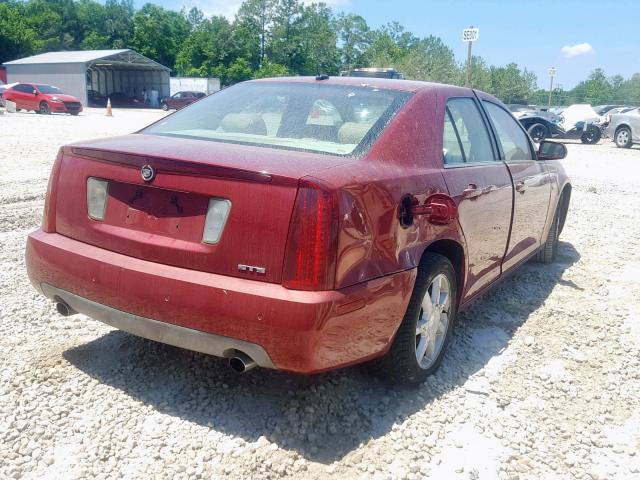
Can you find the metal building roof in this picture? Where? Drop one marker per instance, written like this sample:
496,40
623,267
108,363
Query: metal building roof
123,57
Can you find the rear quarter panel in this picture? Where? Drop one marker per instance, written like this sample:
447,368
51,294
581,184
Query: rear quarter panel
406,160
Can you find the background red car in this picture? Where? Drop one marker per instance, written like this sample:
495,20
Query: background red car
180,100
302,224
43,99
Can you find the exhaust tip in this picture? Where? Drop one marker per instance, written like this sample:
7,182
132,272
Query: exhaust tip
241,363
64,309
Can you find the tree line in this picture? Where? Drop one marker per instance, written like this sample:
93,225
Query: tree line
272,38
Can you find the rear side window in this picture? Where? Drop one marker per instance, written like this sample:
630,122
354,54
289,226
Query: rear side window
514,142
325,118
463,118
451,149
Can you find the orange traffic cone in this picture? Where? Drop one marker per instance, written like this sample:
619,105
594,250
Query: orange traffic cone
109,112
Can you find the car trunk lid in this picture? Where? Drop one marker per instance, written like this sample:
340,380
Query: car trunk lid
163,220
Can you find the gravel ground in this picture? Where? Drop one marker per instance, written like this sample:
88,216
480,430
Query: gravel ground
542,379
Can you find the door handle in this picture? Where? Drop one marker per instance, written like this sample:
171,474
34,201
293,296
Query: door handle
472,191
521,187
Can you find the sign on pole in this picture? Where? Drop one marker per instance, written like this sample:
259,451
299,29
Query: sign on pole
470,34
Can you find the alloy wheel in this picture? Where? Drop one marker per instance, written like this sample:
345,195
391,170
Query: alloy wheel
432,325
622,137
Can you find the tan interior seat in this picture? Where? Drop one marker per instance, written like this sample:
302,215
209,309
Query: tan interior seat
352,132
251,123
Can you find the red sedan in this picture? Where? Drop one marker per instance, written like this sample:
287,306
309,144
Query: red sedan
180,100
302,224
43,99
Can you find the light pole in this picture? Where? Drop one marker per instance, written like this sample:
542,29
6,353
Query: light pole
552,73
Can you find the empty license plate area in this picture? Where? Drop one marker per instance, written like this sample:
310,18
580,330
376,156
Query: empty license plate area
154,210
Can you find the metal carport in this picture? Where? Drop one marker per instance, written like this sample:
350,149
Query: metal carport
104,71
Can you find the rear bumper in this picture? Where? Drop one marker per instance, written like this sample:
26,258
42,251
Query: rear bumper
159,331
304,332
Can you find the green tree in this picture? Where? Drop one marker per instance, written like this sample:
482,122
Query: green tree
480,74
16,38
285,47
319,42
159,33
271,70
119,26
354,37
55,23
210,45
512,85
253,28
596,90
238,71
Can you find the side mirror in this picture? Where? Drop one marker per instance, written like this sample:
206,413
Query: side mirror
551,151
35,92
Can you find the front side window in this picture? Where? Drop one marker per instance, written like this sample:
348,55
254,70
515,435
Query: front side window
326,118
514,142
466,122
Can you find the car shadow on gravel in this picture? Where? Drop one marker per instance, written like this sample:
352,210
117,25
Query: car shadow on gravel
322,417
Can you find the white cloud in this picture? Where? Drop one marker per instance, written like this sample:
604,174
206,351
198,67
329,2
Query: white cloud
578,49
229,8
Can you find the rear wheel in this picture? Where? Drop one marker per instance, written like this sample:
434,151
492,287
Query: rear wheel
623,137
165,107
538,132
44,108
425,331
591,136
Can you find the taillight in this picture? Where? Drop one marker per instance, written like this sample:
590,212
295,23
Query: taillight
49,213
310,261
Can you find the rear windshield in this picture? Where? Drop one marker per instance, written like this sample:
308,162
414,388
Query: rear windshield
48,89
333,119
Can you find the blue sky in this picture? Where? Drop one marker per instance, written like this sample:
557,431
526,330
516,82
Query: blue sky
573,36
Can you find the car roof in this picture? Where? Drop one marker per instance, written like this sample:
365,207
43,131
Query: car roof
386,83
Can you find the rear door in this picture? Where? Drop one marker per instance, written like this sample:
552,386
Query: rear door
20,96
482,188
532,185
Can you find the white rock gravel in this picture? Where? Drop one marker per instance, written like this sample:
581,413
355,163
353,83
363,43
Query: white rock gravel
542,379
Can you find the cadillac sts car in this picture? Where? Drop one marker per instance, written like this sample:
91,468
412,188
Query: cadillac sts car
302,224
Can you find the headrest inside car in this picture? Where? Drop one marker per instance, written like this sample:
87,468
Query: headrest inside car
352,132
244,123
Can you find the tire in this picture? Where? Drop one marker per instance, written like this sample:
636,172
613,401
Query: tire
538,132
623,137
400,364
44,108
591,136
165,107
74,113
549,250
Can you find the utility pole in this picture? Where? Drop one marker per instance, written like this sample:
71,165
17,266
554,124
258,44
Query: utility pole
469,35
552,73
